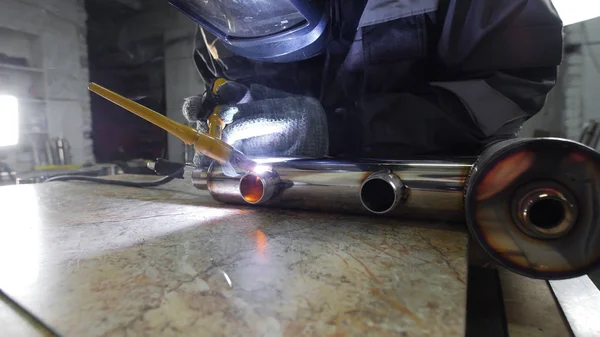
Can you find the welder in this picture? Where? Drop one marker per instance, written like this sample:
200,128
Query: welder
371,79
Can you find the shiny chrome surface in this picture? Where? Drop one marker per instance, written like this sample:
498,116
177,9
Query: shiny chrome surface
434,188
200,179
381,192
579,300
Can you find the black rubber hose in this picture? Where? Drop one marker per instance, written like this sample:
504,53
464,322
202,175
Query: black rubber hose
139,184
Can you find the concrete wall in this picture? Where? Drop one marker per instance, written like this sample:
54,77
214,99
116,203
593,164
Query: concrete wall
58,30
575,98
583,79
182,79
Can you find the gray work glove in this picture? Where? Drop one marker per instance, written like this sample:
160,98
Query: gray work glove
261,122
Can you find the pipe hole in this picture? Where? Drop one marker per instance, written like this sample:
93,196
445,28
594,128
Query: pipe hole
546,213
251,188
378,195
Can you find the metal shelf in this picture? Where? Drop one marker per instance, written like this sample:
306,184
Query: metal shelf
31,100
21,68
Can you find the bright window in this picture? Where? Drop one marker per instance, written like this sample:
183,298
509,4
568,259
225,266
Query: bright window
9,120
573,11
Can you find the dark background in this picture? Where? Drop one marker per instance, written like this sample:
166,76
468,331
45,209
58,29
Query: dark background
131,64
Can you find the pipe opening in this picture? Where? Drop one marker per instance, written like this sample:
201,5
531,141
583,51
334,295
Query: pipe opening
252,188
378,195
546,213
545,210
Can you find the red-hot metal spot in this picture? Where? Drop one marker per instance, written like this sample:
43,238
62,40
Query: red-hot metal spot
251,188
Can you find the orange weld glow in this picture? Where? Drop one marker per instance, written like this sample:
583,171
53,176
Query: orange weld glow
251,188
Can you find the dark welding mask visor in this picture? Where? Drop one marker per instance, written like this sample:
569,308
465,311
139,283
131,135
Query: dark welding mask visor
265,30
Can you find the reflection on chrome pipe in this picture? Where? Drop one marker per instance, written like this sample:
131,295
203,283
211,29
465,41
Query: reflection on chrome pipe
423,189
381,192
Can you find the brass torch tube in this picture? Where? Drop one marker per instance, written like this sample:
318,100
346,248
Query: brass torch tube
210,146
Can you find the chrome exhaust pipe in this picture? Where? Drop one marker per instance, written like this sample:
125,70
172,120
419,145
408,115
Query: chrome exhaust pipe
436,186
381,192
532,204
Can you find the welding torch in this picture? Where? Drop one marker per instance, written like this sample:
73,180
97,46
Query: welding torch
210,145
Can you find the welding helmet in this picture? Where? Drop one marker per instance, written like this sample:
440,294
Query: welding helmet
264,30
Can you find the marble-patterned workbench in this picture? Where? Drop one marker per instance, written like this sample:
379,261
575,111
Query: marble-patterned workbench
97,260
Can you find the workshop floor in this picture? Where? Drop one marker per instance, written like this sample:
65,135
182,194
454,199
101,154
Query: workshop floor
97,260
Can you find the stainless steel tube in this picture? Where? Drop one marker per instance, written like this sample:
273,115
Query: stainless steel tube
533,205
423,189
